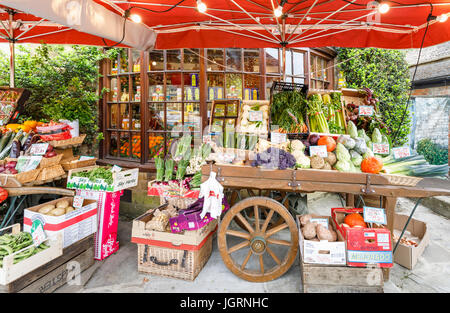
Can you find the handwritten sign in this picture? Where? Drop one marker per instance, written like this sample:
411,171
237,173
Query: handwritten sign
77,202
320,221
365,110
401,152
380,148
374,215
318,150
85,157
255,116
38,148
37,232
277,138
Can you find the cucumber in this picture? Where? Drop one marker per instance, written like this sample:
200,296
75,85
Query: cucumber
24,138
7,149
5,139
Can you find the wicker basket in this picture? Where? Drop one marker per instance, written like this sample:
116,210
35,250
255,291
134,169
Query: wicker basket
72,163
174,262
22,178
50,173
68,143
49,162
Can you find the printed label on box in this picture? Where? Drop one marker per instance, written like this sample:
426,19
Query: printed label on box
369,256
374,215
318,150
365,110
401,152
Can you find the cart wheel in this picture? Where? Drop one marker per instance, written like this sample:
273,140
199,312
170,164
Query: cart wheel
278,247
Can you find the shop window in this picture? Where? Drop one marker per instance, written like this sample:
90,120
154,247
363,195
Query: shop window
251,60
215,59
234,59
320,72
272,57
156,60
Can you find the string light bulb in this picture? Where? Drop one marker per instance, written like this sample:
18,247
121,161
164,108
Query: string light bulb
201,7
442,18
278,11
136,18
383,7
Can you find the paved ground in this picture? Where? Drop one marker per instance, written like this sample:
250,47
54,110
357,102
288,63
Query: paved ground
118,273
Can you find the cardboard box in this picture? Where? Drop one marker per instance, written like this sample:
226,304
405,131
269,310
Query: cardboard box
322,252
364,245
184,240
108,204
407,256
73,226
121,180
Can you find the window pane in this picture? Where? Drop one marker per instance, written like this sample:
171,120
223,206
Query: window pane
319,68
136,146
251,87
124,87
298,63
174,118
156,59
113,112
114,66
155,144
234,86
192,120
173,87
156,113
288,62
136,59
215,59
136,87
324,67
113,144
191,87
156,87
234,59
191,60
123,55
173,60
251,60
269,83
215,86
136,117
124,145
124,116
114,93
272,60
299,80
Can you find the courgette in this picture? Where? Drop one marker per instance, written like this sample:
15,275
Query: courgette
5,139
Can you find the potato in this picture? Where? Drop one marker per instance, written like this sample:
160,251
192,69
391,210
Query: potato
62,204
58,212
325,234
69,209
46,208
304,219
309,231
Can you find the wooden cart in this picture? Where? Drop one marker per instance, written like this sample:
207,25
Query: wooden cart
258,233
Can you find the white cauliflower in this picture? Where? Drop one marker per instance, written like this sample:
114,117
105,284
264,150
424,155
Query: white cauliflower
297,145
301,159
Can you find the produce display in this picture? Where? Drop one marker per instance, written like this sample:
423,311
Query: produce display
11,243
314,231
62,207
288,111
98,173
254,119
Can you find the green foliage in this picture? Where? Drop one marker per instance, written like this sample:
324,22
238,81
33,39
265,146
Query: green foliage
386,73
63,82
432,152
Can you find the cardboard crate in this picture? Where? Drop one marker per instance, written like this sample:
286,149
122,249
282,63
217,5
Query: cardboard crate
180,262
121,180
183,240
321,252
407,256
364,245
73,226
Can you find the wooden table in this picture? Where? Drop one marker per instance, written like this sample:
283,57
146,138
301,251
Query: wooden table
389,187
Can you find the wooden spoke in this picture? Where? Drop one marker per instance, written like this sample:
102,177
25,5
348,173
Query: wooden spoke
238,234
275,230
256,218
246,259
276,259
261,263
279,242
266,222
238,246
244,222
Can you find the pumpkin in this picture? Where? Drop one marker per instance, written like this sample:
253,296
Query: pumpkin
327,141
371,165
355,220
13,126
31,124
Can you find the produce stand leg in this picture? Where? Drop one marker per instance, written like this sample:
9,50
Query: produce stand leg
350,200
389,204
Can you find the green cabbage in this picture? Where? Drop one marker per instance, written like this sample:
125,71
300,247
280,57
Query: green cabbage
368,153
360,146
356,158
376,136
343,166
342,153
351,130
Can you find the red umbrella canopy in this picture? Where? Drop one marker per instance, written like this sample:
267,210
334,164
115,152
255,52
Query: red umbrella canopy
307,23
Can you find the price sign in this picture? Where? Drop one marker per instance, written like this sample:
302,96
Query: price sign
85,157
365,110
277,138
116,169
38,148
380,148
374,215
37,232
320,221
318,150
255,116
77,202
401,152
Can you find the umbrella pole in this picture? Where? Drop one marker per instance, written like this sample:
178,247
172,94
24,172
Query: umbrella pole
12,68
283,69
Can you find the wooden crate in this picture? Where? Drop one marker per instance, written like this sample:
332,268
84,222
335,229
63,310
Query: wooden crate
52,275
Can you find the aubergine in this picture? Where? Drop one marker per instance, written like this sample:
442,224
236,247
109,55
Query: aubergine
32,139
15,149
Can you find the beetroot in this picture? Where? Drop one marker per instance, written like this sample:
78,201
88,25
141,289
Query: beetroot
11,164
313,139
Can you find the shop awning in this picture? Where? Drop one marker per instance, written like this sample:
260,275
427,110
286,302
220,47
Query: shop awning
307,23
